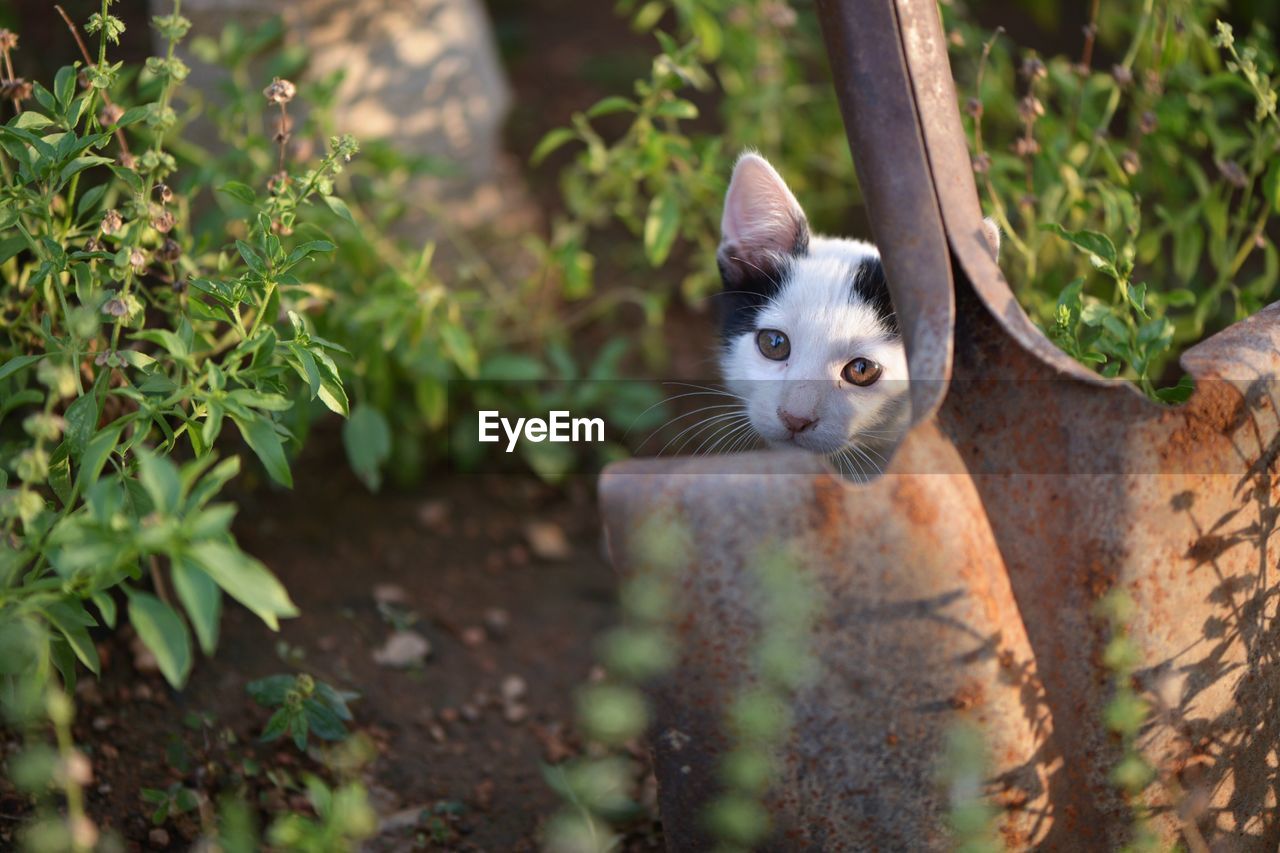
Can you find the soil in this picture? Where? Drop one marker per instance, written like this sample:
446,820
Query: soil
454,767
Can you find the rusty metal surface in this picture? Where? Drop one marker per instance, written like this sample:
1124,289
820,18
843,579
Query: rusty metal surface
962,583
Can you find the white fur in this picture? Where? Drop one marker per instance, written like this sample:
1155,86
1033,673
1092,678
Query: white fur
827,329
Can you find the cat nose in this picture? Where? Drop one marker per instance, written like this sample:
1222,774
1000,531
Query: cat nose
795,423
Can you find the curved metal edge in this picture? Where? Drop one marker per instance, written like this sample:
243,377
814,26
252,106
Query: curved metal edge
924,45
873,87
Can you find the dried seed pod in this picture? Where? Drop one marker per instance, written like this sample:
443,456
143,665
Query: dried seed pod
973,107
163,221
277,182
110,114
162,193
16,89
8,39
1026,146
111,222
170,251
982,163
1130,162
115,307
280,91
1030,109
1122,75
138,260
1148,123
1033,68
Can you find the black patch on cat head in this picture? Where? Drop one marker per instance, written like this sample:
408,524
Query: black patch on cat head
870,286
748,287
751,278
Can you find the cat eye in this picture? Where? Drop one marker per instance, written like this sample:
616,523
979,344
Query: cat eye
773,344
861,371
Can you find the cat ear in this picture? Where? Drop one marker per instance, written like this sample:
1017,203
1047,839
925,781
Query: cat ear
991,231
762,221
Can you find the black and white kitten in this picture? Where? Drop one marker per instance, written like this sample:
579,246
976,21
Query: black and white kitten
811,341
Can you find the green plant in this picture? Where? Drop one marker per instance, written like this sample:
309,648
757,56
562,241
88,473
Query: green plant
343,818
170,802
1134,199
125,347
302,705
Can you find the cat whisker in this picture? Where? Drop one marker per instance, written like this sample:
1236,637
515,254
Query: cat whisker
681,417
660,403
699,425
720,436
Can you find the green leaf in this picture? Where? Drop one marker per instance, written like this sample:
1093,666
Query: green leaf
367,440
106,606
339,207
17,363
660,226
679,108
1271,184
323,721
240,192
96,453
260,434
270,691
251,257
245,579
202,600
1091,242
79,165
549,143
162,631
72,620
459,346
611,104
277,725
159,477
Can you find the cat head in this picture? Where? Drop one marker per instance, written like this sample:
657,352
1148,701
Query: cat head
811,341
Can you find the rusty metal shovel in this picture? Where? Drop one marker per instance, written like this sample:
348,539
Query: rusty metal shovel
962,584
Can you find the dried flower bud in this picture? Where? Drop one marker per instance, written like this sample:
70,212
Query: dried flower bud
163,222
115,307
1233,174
128,160
92,245
278,227
180,285
973,107
170,251
1122,75
277,182
110,114
956,38
1026,146
138,260
8,40
101,358
1130,162
1027,200
1030,109
111,222
16,89
162,193
982,163
1033,68
1148,123
280,91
